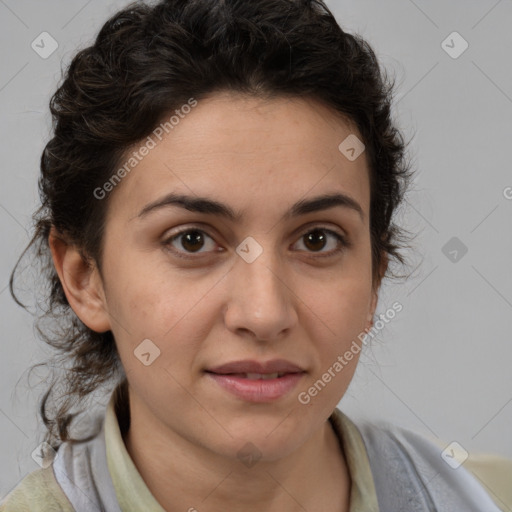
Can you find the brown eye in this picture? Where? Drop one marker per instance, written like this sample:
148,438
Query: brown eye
317,239
189,241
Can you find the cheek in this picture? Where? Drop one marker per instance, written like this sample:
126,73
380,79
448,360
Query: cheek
343,321
338,315
170,311
338,319
343,299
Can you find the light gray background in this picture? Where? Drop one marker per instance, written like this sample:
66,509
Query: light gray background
442,366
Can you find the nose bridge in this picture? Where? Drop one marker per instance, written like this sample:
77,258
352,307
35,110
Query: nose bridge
260,299
261,276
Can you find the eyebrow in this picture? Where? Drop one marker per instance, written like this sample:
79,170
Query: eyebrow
212,207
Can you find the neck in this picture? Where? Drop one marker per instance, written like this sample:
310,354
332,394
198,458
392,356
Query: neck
185,476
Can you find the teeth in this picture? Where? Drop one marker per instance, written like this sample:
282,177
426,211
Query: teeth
264,376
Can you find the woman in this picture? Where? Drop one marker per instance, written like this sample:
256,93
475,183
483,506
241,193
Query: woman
261,133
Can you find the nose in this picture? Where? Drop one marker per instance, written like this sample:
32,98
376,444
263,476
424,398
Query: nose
261,303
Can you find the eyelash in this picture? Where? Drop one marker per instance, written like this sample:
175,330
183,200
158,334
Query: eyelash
343,241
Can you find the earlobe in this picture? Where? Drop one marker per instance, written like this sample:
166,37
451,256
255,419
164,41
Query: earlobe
81,282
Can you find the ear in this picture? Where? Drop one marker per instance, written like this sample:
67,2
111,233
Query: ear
81,282
376,288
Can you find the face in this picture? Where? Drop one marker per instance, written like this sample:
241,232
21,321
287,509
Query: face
275,280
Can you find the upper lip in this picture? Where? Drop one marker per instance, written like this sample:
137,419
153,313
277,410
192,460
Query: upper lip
250,366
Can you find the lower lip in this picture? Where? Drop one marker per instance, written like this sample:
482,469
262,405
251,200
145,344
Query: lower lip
258,390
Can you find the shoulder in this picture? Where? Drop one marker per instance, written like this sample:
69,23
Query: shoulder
440,471
492,471
39,491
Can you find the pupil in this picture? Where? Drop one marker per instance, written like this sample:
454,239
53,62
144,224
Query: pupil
316,235
191,238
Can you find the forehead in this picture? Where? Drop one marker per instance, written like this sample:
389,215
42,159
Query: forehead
247,152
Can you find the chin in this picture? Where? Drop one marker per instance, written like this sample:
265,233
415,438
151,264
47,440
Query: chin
267,438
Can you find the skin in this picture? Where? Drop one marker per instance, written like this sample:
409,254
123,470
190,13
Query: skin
259,157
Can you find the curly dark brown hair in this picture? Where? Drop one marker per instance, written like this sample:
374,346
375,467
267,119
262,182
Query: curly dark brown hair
147,61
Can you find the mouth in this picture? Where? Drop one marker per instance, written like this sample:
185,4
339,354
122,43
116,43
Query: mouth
254,381
253,367
254,376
